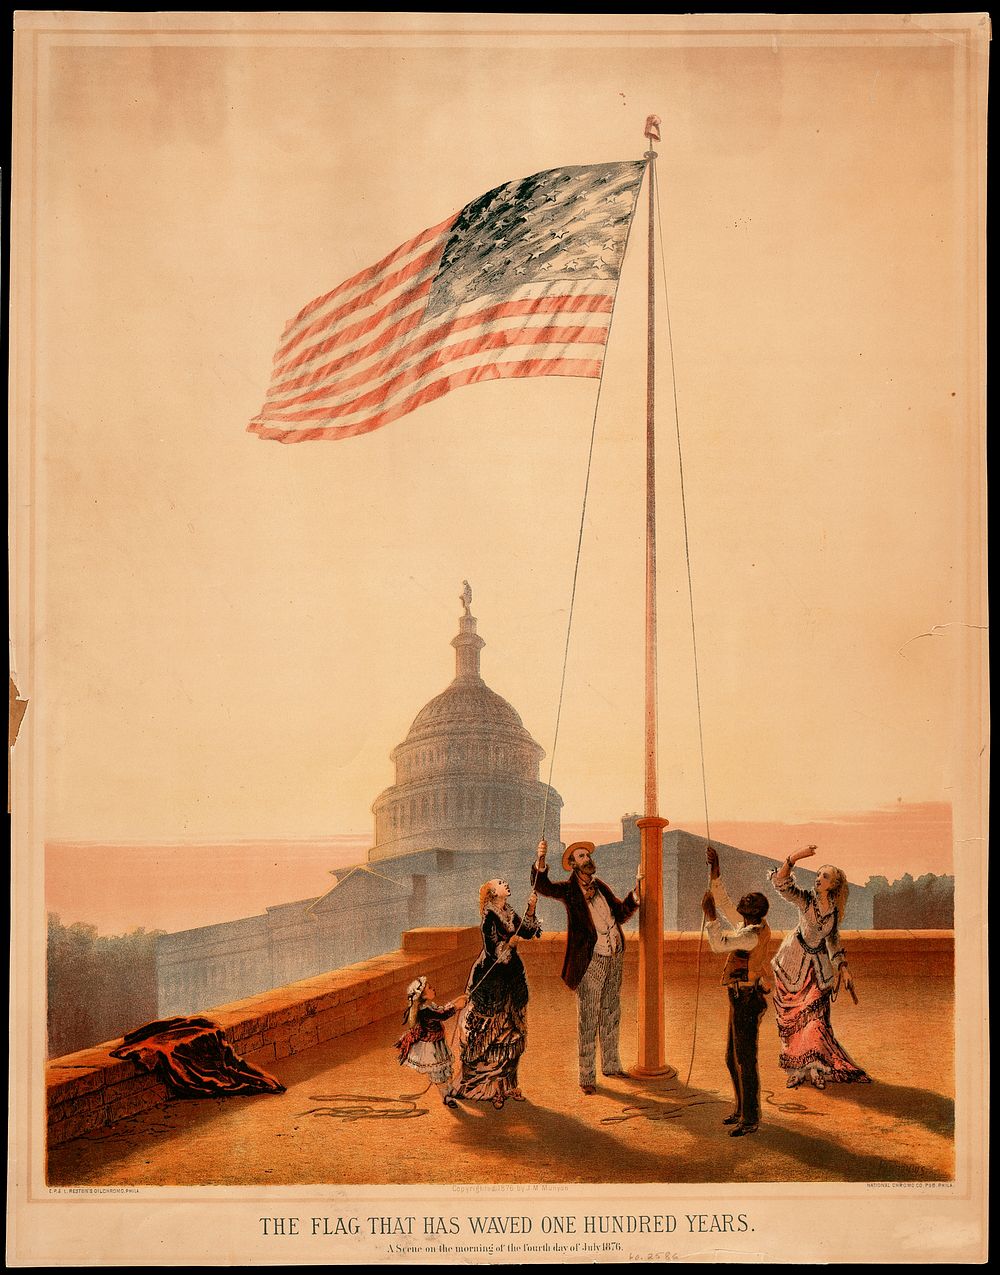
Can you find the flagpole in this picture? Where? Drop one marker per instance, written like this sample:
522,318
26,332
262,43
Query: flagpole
652,1045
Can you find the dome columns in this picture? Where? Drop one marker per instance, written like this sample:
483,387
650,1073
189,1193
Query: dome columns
467,773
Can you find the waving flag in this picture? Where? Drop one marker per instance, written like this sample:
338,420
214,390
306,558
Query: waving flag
521,282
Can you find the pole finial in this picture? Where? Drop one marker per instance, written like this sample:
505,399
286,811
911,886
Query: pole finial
652,128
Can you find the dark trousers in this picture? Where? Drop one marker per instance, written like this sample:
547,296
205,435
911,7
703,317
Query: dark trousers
746,1005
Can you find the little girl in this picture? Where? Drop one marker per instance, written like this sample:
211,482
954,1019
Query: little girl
422,1046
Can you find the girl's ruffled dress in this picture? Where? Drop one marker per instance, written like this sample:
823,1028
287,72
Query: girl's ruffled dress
423,1046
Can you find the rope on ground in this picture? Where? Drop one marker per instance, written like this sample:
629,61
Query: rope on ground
789,1108
657,1111
352,1106
675,1108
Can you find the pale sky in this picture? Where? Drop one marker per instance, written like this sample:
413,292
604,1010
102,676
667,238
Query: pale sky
235,634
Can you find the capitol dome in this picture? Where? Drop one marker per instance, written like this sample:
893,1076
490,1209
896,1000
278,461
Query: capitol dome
465,701
467,772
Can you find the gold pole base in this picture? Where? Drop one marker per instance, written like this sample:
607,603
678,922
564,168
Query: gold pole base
650,1009
651,1073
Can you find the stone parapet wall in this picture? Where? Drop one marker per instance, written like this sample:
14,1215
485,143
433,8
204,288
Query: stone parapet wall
291,1019
902,953
90,1090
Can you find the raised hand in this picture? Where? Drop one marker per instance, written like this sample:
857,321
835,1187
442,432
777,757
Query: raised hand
712,859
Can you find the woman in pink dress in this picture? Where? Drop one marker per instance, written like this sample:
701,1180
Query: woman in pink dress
809,970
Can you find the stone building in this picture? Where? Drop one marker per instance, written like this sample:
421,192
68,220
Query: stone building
466,773
467,806
363,914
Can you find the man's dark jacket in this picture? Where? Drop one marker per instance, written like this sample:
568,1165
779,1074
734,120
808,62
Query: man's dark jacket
581,935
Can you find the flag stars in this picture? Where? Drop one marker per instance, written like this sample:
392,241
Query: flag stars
566,223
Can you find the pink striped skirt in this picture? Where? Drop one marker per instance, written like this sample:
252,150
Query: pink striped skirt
809,1049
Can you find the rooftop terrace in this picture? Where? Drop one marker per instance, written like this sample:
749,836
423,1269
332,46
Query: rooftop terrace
351,1115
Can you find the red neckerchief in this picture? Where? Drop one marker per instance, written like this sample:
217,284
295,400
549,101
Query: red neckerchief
589,890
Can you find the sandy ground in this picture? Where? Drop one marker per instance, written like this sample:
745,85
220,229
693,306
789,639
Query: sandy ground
352,1115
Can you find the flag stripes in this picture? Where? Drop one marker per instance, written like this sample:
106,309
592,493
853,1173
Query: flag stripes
515,311
357,282
520,283
489,372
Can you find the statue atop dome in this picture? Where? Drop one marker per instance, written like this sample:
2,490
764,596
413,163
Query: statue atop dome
467,772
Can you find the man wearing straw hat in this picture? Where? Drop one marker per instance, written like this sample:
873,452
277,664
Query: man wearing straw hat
595,953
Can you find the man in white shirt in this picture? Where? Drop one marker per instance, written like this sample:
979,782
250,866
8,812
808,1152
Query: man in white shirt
746,976
595,953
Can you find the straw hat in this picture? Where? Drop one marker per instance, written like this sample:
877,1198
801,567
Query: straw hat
577,845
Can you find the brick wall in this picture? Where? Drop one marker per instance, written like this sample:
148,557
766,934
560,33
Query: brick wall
91,1090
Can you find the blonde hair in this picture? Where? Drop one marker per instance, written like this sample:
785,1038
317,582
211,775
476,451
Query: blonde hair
838,893
485,894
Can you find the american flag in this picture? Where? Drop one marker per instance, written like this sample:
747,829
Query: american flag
521,282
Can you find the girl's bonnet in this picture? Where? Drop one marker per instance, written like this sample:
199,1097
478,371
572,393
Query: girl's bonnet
414,994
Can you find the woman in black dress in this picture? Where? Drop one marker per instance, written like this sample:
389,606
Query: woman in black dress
494,1032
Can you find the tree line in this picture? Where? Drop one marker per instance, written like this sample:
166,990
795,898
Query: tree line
99,986
924,903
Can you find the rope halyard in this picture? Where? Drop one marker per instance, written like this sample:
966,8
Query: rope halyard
690,584
576,574
579,539
357,1106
